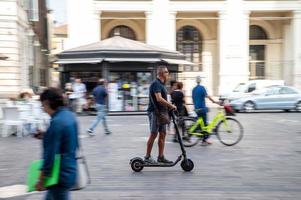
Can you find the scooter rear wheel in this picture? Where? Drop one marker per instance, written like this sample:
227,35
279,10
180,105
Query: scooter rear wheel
187,165
137,165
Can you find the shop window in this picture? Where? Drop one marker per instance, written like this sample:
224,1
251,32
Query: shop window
90,79
123,31
128,91
189,42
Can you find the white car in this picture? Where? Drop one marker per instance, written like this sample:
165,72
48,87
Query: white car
244,89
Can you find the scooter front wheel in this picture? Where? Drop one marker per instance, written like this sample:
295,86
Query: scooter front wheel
187,165
137,165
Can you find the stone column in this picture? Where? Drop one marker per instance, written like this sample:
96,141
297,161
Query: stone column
161,25
83,23
287,54
172,31
149,27
97,21
297,48
207,64
233,46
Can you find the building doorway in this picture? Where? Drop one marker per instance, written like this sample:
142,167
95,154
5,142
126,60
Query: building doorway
257,62
257,51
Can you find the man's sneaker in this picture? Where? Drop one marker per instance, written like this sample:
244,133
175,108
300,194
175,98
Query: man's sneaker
162,159
149,160
90,132
108,132
206,143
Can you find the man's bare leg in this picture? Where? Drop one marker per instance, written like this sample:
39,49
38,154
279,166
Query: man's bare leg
150,143
161,143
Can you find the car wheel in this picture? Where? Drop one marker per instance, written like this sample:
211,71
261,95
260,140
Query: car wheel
298,106
249,106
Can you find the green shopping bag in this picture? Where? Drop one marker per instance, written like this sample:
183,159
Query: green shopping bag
34,173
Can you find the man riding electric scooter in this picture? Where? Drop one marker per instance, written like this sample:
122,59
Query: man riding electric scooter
158,104
158,100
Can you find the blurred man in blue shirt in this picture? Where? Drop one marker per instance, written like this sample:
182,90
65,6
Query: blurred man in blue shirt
100,94
199,94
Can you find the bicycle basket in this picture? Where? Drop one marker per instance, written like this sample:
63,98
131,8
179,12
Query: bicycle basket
229,111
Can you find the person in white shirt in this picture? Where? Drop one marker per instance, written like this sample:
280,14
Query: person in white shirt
79,91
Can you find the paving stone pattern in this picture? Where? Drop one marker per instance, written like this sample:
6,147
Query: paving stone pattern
265,165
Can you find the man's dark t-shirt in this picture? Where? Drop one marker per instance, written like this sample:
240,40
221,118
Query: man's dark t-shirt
100,94
156,87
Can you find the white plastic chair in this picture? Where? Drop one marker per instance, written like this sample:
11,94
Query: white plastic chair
11,117
33,115
40,115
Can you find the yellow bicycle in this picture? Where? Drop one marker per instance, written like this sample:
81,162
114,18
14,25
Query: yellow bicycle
228,130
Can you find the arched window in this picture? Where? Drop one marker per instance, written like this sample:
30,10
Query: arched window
189,42
123,31
257,33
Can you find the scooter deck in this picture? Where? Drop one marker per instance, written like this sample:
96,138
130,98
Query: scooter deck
158,165
162,164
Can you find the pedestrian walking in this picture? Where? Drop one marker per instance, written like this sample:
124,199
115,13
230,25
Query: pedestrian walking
68,93
158,103
178,99
60,138
79,93
199,94
100,95
172,87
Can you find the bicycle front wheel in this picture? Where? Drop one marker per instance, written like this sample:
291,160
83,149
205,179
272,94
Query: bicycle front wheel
189,140
229,132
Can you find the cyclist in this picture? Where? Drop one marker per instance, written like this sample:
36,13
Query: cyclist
199,94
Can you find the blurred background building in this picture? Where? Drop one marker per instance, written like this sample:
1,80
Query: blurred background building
24,44
58,35
230,41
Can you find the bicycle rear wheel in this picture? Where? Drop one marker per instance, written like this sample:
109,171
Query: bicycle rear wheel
230,132
189,140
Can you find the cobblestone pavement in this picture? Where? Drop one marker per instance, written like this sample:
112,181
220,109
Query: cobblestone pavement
266,164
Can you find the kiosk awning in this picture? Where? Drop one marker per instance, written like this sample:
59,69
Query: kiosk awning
176,61
78,60
148,60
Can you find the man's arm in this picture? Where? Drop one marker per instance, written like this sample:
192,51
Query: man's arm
211,99
161,100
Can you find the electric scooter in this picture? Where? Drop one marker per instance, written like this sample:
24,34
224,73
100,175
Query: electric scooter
187,165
